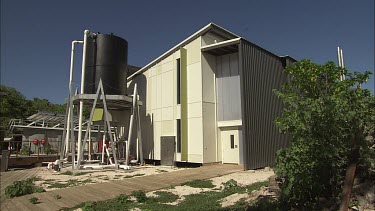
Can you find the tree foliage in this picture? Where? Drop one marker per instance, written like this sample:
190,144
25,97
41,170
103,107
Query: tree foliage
326,119
15,106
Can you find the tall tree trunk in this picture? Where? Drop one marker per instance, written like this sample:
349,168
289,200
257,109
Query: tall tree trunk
350,172
348,185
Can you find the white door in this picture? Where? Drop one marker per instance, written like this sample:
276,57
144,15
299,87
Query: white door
229,141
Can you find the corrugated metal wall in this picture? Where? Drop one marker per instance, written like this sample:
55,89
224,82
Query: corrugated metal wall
228,88
261,72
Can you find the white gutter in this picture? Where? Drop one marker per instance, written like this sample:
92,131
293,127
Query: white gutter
178,46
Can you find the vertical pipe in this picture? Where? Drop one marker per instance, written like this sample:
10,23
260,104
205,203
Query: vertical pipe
339,60
89,128
86,33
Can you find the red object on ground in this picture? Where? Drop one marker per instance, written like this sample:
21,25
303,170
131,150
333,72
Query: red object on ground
35,141
43,141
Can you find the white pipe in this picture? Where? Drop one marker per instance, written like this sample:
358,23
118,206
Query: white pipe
70,91
131,125
342,63
86,33
103,145
89,128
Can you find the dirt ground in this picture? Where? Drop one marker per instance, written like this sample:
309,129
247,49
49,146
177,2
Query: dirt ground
47,177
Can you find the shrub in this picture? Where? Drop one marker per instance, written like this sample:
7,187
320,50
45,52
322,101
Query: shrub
140,195
23,187
34,200
88,206
25,150
122,199
230,184
199,184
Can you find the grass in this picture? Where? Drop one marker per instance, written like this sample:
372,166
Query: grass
75,174
199,184
23,187
135,175
209,200
69,183
34,200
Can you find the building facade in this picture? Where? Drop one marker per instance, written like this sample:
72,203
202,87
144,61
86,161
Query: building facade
210,99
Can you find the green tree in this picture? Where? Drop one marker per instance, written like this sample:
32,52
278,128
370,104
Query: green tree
329,122
13,105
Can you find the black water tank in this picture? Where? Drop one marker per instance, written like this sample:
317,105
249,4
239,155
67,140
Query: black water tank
106,58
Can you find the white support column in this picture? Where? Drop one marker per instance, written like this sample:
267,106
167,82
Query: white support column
139,134
86,33
131,125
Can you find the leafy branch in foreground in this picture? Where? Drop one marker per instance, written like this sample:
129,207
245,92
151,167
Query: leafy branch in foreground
330,122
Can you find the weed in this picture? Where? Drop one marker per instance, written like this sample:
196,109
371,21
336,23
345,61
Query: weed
67,173
69,183
199,184
122,199
34,200
256,186
135,175
57,197
230,184
140,195
88,206
23,187
81,173
163,197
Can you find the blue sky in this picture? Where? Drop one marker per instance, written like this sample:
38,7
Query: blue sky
36,35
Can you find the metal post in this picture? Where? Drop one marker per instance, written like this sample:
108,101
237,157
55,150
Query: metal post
86,33
139,134
131,125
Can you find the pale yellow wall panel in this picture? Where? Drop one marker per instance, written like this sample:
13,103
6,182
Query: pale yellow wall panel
208,77
193,51
195,134
157,134
167,113
167,128
154,92
168,66
194,83
157,115
159,91
209,133
195,110
195,158
167,89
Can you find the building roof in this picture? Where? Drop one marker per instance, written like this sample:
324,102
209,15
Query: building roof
213,29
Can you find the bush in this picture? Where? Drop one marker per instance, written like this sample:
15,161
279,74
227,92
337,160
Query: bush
199,184
230,184
34,200
122,199
25,150
140,195
88,206
21,188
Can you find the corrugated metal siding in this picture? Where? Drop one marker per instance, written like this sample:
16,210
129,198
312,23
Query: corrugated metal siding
261,72
228,88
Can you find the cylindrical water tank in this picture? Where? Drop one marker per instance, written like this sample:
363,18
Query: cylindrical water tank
106,59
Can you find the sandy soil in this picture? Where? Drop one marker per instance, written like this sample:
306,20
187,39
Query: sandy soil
48,177
243,178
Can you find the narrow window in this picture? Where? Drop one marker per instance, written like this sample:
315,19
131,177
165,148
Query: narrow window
232,141
178,81
178,135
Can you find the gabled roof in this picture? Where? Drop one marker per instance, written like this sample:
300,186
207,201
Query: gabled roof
211,27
